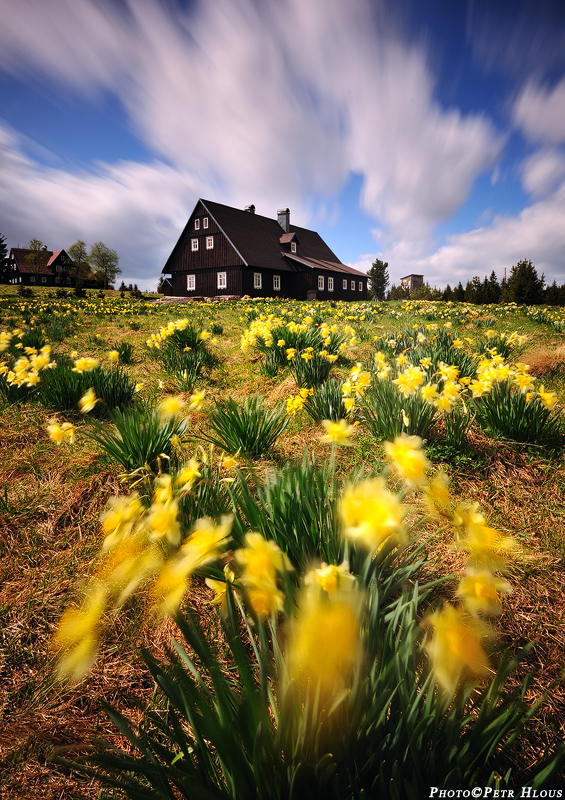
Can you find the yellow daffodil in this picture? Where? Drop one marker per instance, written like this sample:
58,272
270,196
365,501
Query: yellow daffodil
456,650
479,590
408,459
171,406
371,514
88,401
337,432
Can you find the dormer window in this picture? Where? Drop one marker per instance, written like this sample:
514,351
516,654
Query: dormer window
293,247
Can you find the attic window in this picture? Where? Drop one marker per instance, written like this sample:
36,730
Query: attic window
196,224
293,247
194,244
205,222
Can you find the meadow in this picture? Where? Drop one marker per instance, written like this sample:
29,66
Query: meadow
381,483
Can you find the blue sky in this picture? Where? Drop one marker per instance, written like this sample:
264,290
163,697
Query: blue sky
429,133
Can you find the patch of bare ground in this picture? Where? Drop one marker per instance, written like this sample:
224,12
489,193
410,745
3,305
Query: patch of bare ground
547,360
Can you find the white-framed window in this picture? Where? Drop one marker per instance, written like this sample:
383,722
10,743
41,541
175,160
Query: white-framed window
320,283
32,278
352,286
44,280
257,280
205,222
222,280
345,283
191,282
360,286
196,224
330,284
276,283
293,247
194,245
209,243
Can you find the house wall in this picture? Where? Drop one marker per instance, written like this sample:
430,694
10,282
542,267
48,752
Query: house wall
184,259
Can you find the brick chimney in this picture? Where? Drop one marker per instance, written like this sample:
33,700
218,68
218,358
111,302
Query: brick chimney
283,218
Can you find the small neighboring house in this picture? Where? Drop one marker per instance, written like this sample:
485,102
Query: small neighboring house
55,272
229,252
412,282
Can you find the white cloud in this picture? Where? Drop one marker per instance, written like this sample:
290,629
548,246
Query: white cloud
137,209
537,233
272,103
538,111
543,171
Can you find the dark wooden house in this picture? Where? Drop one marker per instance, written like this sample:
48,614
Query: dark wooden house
229,252
47,268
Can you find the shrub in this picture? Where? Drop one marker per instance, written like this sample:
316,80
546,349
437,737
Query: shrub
326,402
387,413
310,372
61,388
519,416
141,437
249,428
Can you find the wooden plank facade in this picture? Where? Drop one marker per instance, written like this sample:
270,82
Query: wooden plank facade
228,252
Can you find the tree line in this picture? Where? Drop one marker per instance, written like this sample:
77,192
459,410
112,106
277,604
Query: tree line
523,286
100,264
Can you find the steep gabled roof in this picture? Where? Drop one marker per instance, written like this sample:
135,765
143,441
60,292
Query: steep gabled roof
258,239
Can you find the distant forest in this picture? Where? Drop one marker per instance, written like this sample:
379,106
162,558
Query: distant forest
523,286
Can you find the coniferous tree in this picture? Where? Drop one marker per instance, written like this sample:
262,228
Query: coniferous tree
378,279
3,260
459,293
447,294
493,291
524,285
552,294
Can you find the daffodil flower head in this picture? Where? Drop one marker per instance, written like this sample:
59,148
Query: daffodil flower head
437,495
324,645
337,432
370,514
78,633
220,588
171,406
119,518
88,401
196,400
408,459
188,474
330,578
455,650
479,589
